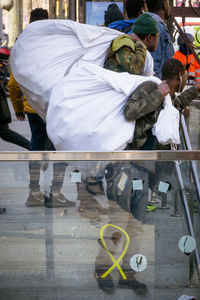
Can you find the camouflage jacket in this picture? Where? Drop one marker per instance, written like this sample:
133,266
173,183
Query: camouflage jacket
125,55
144,105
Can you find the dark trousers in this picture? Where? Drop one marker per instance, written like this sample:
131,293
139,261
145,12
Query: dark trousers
13,137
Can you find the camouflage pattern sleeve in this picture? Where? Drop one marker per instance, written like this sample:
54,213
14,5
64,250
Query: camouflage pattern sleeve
125,55
185,98
132,62
144,99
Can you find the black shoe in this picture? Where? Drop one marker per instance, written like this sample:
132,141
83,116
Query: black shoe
58,200
2,210
35,199
132,284
94,186
106,283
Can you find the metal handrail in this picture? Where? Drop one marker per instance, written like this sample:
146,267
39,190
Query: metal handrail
190,225
193,165
97,156
182,190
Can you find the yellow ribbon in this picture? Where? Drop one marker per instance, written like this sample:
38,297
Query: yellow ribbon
115,262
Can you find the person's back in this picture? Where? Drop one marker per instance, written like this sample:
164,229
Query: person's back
128,52
133,10
160,10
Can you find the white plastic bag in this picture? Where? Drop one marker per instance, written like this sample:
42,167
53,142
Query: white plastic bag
166,129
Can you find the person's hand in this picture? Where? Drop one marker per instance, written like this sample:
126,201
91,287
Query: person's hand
197,86
186,112
164,88
134,37
20,116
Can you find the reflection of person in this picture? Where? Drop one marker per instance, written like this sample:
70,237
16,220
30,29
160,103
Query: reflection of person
39,140
118,215
133,9
160,11
187,58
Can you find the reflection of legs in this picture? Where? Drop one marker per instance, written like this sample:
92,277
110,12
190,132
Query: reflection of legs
13,137
35,198
135,232
164,171
57,199
115,241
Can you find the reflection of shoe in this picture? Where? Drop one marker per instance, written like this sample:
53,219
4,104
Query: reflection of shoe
58,200
44,165
2,210
94,186
131,283
151,208
106,283
152,198
35,199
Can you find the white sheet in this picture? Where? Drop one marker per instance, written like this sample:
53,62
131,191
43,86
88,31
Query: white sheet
46,51
86,109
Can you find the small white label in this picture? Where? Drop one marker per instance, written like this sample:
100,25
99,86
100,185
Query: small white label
138,262
75,176
122,182
137,185
163,187
187,244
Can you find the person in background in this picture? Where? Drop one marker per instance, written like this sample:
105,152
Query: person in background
160,11
39,141
6,133
134,9
112,14
187,58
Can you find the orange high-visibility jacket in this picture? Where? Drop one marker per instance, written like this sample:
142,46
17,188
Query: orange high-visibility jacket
194,69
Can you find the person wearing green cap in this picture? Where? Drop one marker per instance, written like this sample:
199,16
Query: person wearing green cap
128,52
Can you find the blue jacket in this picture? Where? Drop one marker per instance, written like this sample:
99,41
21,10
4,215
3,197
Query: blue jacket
122,25
165,49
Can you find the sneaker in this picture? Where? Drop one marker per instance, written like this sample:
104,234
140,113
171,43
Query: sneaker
35,199
58,200
151,208
106,283
131,283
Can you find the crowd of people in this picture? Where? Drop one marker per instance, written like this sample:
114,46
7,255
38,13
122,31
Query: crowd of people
143,48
